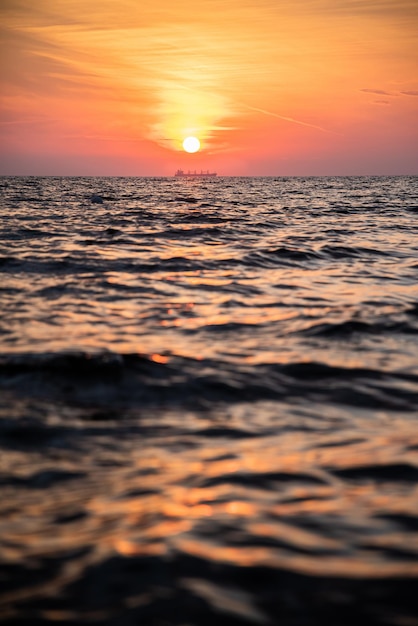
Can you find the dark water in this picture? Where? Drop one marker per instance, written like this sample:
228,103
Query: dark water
209,394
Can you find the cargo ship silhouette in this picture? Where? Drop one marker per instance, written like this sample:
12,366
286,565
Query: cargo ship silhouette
195,173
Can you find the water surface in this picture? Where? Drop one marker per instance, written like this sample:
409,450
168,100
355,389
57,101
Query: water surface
209,401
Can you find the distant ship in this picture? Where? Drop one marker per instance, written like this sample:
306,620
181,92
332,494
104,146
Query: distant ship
195,173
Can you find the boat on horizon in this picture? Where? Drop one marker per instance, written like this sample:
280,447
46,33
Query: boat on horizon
195,173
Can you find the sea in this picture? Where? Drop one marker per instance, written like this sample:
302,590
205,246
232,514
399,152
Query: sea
209,401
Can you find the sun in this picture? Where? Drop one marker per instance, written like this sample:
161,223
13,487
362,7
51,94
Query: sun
191,144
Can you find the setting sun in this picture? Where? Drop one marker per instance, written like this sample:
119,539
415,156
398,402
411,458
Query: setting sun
191,144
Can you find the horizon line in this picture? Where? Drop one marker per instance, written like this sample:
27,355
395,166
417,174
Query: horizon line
206,178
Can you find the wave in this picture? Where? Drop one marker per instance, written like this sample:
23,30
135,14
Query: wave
152,380
341,330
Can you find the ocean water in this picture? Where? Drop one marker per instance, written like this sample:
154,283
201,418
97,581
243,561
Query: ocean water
209,401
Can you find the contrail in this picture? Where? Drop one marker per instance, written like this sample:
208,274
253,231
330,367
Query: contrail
280,117
289,119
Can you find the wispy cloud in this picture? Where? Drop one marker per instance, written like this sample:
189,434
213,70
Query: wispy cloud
391,94
383,8
378,92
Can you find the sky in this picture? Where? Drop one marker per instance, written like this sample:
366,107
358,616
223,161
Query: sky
270,87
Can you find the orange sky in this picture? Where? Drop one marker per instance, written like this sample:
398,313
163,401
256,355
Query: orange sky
270,87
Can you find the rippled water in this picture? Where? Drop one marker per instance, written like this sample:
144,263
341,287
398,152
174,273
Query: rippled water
209,401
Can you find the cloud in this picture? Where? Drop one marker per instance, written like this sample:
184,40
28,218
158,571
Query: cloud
386,102
378,92
383,8
382,92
